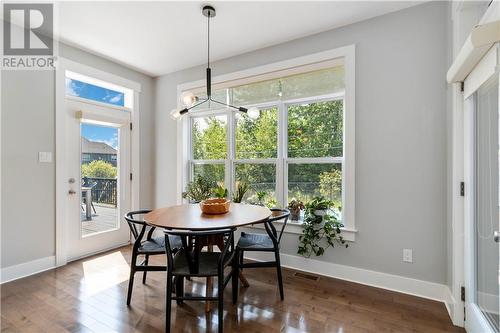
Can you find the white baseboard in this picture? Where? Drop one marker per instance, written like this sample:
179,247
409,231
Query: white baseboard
420,288
450,303
26,269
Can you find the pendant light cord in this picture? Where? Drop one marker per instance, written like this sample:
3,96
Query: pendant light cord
209,71
208,39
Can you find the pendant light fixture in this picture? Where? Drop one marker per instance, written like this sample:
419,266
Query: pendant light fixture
189,100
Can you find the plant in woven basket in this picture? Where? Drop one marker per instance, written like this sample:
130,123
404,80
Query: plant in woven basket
320,230
241,189
198,189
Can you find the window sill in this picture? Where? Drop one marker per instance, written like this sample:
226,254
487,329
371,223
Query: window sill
294,227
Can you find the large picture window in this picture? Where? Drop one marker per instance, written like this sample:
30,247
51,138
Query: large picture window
296,148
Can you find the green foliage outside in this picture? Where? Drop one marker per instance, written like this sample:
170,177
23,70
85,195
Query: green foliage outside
99,169
314,130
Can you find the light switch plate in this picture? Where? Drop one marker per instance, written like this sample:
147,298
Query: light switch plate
45,157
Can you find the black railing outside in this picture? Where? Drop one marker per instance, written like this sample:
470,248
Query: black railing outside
104,191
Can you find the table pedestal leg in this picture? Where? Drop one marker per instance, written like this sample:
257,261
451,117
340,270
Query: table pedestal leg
208,288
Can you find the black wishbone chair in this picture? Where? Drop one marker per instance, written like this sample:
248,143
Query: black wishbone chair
146,247
265,243
189,262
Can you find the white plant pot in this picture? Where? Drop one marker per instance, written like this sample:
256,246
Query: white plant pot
320,212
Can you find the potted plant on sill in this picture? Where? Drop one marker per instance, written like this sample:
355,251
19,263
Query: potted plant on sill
261,196
198,189
239,193
295,206
320,229
220,191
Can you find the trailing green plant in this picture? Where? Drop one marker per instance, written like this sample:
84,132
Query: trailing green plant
220,191
319,232
241,189
199,189
295,206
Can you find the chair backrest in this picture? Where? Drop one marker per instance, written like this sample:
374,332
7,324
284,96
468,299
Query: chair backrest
192,253
277,215
137,225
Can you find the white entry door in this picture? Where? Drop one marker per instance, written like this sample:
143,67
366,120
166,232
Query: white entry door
97,153
482,196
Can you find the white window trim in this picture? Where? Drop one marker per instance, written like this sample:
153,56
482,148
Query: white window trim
346,55
65,65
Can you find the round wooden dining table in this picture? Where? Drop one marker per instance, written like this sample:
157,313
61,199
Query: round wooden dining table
190,217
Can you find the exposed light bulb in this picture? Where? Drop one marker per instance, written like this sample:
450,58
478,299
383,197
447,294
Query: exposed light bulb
175,114
188,98
253,113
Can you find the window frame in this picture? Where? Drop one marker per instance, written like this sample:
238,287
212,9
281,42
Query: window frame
298,65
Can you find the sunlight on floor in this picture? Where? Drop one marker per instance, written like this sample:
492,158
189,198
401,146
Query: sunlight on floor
104,272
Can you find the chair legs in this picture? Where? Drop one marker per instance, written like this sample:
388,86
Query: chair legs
277,265
179,288
235,277
168,306
280,278
220,292
146,262
131,278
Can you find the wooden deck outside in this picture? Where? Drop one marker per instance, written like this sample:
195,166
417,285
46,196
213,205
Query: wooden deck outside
105,218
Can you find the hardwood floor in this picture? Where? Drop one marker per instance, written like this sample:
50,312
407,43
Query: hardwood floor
89,295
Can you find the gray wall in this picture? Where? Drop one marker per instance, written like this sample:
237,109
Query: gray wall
401,175
28,126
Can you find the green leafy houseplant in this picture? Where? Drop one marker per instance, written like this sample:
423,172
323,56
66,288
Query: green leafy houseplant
261,195
241,189
320,229
295,206
220,191
199,189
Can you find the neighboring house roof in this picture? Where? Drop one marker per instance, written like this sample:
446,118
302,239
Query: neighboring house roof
95,147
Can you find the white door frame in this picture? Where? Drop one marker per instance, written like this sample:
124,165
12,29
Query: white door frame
64,65
465,15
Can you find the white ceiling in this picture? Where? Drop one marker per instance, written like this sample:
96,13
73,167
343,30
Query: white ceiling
157,38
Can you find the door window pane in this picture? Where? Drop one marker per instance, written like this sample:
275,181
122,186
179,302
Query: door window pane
99,185
214,172
261,178
89,91
209,138
487,202
306,181
257,138
315,129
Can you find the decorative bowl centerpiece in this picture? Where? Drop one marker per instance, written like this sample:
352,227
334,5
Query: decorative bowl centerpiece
215,206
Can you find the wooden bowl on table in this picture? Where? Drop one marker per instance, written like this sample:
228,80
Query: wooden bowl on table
215,206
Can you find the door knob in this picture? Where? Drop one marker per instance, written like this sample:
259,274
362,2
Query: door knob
71,180
72,192
496,236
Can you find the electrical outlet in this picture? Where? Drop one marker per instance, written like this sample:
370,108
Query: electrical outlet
407,255
45,157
